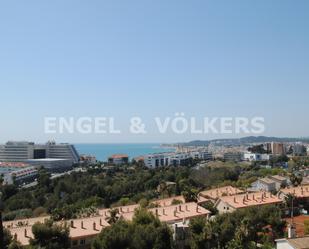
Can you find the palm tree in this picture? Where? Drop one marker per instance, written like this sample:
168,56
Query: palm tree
113,216
189,195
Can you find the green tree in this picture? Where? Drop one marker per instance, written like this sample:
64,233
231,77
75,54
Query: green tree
306,227
190,194
113,216
296,179
15,245
50,236
144,232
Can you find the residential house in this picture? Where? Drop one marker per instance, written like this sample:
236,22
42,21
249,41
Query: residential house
227,204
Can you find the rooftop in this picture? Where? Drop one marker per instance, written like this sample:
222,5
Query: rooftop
175,213
298,243
218,192
119,156
298,222
168,201
14,164
85,227
267,180
250,199
299,192
278,178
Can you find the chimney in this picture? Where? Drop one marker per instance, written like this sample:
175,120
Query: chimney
234,199
101,224
94,226
291,231
72,224
180,208
253,197
163,211
25,233
187,209
82,224
184,220
197,208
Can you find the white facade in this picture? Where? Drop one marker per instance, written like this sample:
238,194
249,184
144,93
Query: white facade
20,175
293,243
264,184
23,151
16,151
156,160
203,155
175,158
248,156
51,164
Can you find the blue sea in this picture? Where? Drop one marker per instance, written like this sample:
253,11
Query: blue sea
103,151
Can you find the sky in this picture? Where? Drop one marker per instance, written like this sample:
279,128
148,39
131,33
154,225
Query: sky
152,59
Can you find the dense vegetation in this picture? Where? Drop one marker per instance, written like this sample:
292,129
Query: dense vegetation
244,228
78,194
145,231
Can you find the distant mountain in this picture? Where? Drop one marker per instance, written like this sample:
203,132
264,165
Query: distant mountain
244,141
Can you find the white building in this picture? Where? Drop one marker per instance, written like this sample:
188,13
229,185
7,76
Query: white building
20,151
264,184
156,160
232,156
20,176
293,243
46,155
52,164
203,155
248,156
175,158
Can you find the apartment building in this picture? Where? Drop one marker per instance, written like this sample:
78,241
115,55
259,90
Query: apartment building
231,203
300,192
49,155
264,184
21,176
175,158
232,156
118,159
276,148
176,213
84,230
214,194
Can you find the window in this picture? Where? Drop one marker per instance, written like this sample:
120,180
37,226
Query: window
82,242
